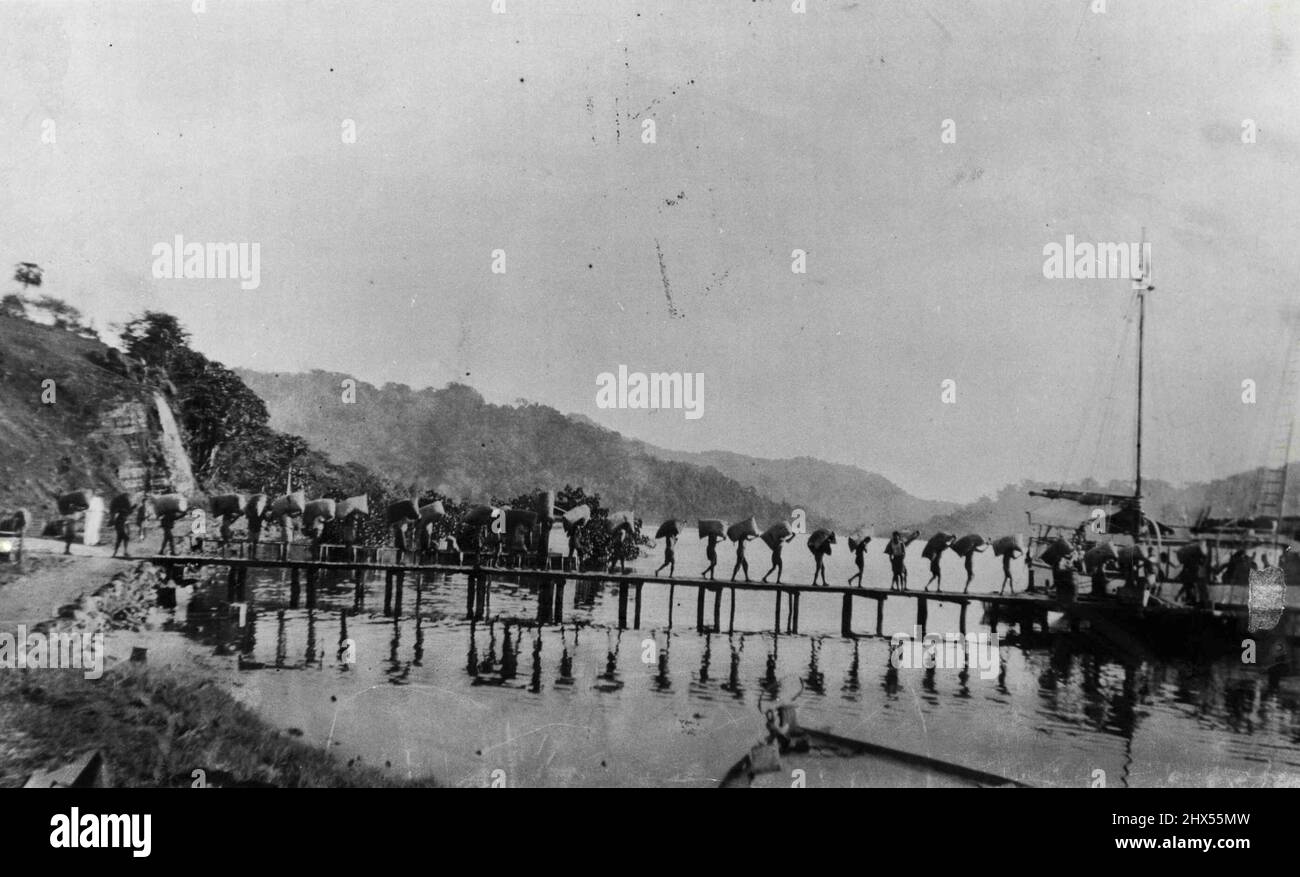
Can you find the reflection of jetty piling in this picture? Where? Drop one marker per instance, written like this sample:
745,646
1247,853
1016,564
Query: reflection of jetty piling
1025,610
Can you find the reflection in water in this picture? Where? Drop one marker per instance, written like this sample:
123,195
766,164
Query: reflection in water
281,641
395,667
535,679
663,682
471,657
398,670
248,640
509,649
566,659
490,660
849,690
310,656
963,679
815,681
702,679
1059,708
733,685
418,657
342,655
890,682
609,680
771,682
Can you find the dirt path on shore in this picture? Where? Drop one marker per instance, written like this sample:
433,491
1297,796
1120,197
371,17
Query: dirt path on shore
49,579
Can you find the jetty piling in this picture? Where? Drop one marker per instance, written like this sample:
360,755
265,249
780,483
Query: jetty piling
1020,609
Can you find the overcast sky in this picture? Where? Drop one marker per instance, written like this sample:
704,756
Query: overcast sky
775,131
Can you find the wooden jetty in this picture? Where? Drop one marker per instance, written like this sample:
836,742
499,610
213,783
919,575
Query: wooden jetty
1024,609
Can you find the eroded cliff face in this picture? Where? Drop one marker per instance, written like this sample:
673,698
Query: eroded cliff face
145,447
74,415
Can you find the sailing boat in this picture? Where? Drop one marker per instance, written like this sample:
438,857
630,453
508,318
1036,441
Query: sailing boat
1141,567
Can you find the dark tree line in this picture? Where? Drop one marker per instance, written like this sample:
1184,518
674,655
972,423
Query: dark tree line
232,447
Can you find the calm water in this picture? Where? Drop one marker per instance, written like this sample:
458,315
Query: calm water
583,703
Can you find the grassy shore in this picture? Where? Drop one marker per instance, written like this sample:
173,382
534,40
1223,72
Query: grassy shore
155,728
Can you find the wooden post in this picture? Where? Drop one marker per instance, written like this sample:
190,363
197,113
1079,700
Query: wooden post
293,588
880,616
622,605
558,614
469,594
699,610
922,612
545,602
731,617
776,625
672,593
636,623
717,609
397,593
481,596
846,616
794,623
993,617
311,587
388,592
232,584
962,622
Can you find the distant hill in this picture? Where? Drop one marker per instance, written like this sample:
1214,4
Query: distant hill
451,440
1004,513
845,495
105,429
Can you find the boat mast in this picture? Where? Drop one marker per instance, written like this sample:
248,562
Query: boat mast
1141,285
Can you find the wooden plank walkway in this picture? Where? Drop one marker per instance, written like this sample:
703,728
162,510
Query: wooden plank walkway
1024,608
